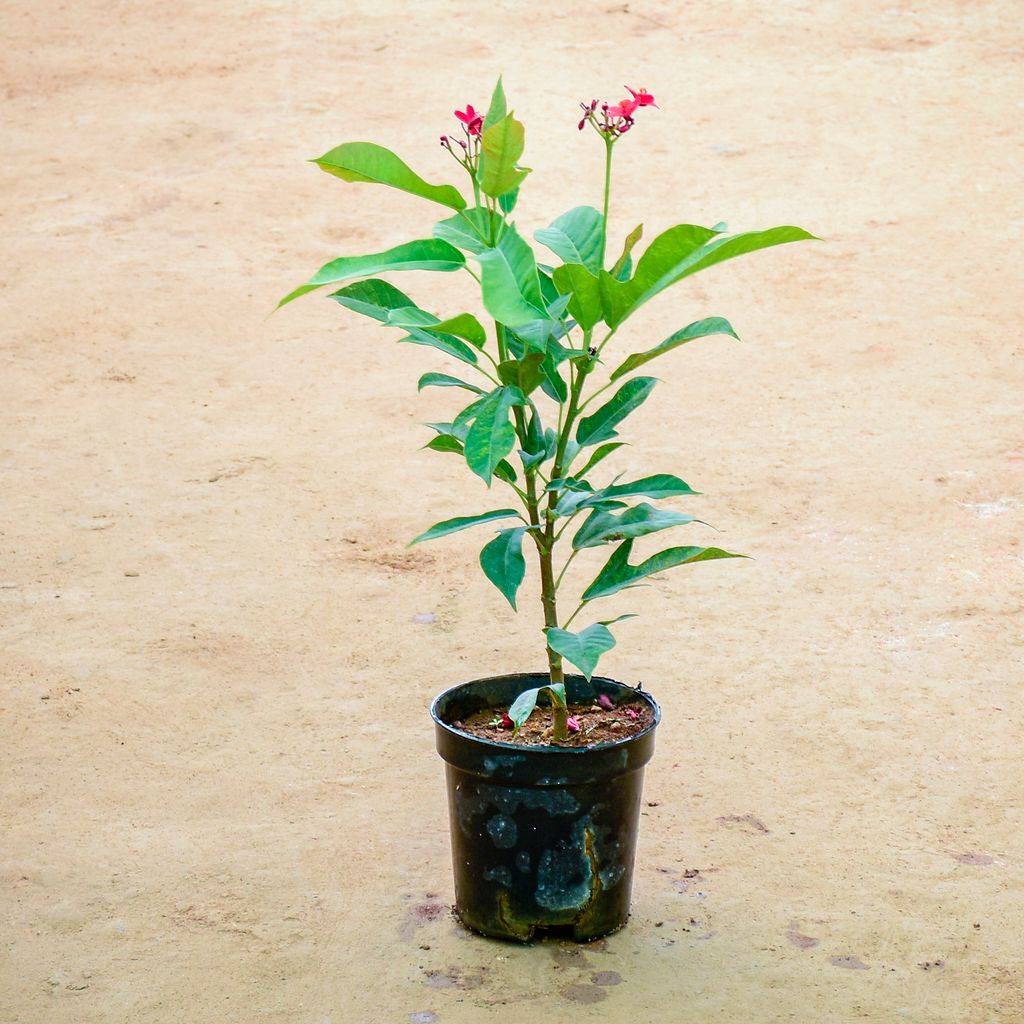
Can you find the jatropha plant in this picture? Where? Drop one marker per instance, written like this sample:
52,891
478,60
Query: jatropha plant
549,386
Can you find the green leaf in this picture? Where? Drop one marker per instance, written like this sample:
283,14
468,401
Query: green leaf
600,426
700,329
366,161
525,374
584,648
680,252
442,380
508,201
424,254
492,436
584,291
466,326
503,563
501,147
618,574
661,485
450,443
498,107
575,237
509,281
469,230
446,343
463,523
624,260
374,298
522,707
602,527
601,453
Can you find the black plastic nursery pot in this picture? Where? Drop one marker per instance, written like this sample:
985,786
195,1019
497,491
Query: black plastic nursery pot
543,838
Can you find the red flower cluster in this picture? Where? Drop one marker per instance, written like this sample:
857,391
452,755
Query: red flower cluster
618,119
472,124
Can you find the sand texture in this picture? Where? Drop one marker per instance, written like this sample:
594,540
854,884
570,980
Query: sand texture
219,797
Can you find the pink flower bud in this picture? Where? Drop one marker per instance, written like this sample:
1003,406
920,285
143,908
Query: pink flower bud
605,701
572,724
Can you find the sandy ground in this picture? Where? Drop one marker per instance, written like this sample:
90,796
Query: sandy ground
220,800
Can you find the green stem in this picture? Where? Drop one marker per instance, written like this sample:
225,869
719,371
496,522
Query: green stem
579,608
608,143
568,562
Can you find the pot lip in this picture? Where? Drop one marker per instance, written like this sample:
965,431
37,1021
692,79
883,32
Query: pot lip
507,748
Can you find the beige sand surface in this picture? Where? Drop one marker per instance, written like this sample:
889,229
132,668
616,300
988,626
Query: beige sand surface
220,800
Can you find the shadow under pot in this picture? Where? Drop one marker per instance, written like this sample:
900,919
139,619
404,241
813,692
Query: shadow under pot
543,837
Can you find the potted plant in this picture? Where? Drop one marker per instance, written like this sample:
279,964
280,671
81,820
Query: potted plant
544,807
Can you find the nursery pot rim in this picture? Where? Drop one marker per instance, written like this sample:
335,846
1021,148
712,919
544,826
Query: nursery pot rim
545,748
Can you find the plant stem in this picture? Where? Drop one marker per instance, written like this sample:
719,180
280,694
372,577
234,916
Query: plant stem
608,143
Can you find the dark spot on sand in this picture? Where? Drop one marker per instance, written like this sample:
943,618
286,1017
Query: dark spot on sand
853,963
584,993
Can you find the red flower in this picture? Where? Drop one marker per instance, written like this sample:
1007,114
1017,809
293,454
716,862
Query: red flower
624,108
572,724
642,97
471,119
506,722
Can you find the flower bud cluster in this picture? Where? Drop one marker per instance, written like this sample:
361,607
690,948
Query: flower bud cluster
614,120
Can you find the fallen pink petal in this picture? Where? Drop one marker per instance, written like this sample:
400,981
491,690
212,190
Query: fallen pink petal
605,701
632,713
573,724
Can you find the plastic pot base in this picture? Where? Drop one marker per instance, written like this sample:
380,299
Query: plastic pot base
543,838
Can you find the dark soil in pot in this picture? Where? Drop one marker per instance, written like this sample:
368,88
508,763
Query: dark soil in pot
543,837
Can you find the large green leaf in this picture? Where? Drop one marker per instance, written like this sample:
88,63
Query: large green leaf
661,485
443,380
465,325
424,254
373,298
575,237
584,293
470,230
583,649
700,329
678,253
463,523
501,147
599,455
600,426
445,442
509,281
492,436
446,343
498,107
366,161
618,574
503,563
602,527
